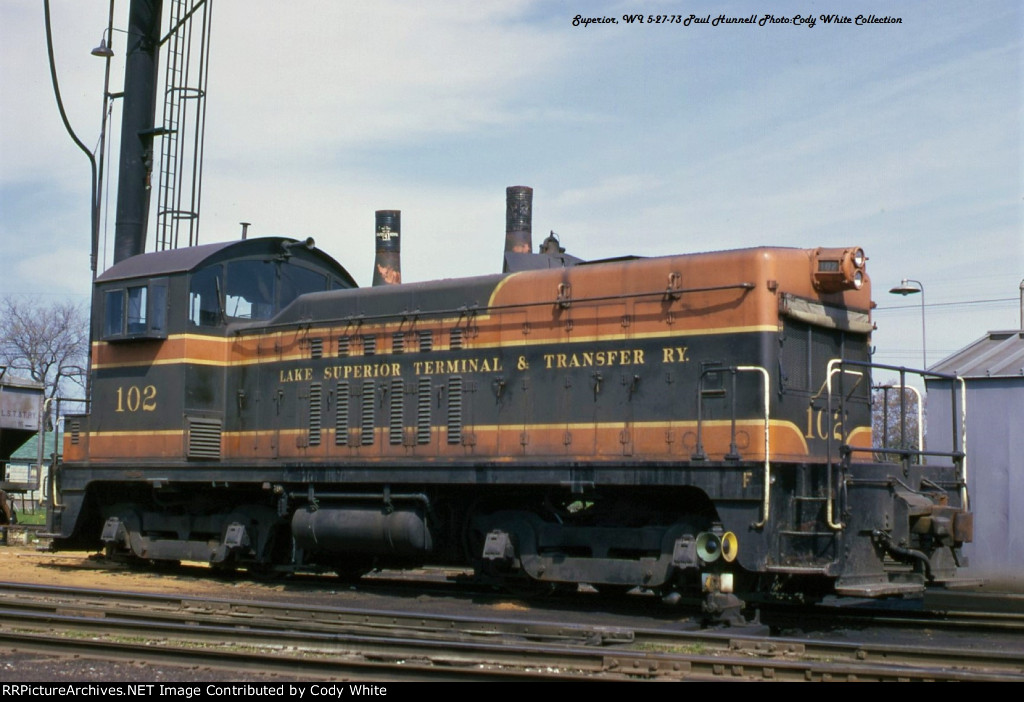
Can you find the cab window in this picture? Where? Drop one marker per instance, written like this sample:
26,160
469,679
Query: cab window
250,290
204,305
136,311
113,313
296,280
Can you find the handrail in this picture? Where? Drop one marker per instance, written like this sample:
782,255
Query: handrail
959,453
767,442
699,453
831,371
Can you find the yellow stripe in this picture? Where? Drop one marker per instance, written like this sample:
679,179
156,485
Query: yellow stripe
164,362
498,287
755,425
772,328
161,432
857,431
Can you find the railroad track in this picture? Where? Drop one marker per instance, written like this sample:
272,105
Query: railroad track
943,609
333,643
947,611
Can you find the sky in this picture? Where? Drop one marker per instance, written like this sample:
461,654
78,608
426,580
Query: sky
637,138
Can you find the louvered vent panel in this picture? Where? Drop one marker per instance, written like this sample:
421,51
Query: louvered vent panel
316,348
315,404
341,418
455,340
454,410
76,431
344,347
203,437
369,345
398,342
423,412
366,438
426,340
397,410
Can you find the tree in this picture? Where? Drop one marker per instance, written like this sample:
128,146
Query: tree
47,342
885,419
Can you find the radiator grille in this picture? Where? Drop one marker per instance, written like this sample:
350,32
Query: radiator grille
203,437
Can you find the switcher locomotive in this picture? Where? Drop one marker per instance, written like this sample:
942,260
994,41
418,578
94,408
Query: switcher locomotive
695,425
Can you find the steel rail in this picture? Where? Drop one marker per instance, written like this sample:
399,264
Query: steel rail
540,649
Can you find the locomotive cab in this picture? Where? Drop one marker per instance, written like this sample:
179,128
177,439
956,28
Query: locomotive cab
223,283
158,372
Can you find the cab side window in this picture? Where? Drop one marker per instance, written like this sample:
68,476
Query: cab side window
136,317
113,313
136,311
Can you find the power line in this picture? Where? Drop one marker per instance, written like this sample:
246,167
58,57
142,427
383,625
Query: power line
947,304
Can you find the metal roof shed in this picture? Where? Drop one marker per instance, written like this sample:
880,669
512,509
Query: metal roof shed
993,372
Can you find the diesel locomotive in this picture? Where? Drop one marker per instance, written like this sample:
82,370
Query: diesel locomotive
695,425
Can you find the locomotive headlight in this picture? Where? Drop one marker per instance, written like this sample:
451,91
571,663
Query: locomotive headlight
859,258
835,270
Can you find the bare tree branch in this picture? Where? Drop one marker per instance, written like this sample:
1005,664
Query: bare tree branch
46,341
886,419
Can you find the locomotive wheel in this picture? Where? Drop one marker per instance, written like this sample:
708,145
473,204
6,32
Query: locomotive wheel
277,551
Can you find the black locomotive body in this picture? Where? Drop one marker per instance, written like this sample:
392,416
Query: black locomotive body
688,424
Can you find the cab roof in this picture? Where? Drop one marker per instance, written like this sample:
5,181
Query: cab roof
192,257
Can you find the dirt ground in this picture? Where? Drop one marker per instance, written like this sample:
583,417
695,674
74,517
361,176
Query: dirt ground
26,564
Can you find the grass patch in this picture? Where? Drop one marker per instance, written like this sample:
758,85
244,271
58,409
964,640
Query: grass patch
37,517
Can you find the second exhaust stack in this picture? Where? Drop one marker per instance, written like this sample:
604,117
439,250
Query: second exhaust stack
387,265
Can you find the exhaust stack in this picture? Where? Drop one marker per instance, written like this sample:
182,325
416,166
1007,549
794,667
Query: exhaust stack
518,219
387,265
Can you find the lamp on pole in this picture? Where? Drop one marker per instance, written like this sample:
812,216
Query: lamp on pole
104,51
906,288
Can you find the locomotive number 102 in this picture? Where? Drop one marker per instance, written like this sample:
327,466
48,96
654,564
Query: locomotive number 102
815,422
133,398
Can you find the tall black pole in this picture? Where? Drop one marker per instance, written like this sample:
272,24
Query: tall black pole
137,128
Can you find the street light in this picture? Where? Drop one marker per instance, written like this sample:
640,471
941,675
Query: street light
105,52
904,289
